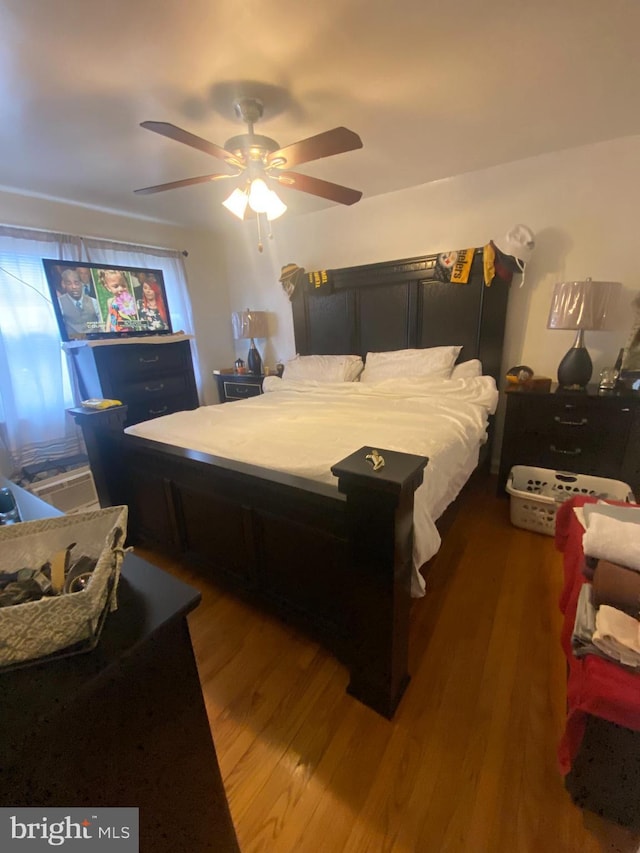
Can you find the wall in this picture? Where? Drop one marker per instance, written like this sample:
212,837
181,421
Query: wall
205,264
581,204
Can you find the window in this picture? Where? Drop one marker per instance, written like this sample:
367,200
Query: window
36,387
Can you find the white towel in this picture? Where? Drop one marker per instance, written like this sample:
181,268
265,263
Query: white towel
628,513
609,539
578,511
617,635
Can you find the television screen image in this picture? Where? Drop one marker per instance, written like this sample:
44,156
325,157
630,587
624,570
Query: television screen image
93,301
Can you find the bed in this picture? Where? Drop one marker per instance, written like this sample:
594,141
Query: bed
329,542
303,427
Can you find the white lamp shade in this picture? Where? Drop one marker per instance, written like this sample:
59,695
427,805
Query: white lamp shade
584,305
237,203
276,206
249,324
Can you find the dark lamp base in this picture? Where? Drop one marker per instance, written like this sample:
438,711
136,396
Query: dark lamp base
254,362
575,369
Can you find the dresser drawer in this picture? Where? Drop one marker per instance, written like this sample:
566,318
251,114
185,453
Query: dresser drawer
146,410
553,415
582,458
151,387
240,390
131,362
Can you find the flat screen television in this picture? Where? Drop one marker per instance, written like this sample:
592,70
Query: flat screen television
94,301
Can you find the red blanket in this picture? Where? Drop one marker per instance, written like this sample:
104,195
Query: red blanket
594,686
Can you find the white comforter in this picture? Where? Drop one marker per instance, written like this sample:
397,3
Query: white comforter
304,428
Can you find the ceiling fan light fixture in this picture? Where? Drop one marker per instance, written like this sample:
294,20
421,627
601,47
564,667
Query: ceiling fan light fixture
237,202
262,160
276,206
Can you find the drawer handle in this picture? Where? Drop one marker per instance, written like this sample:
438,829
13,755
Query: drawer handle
158,411
149,360
581,422
575,452
157,387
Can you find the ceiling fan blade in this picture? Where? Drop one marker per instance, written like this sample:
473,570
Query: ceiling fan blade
314,186
186,182
326,144
180,135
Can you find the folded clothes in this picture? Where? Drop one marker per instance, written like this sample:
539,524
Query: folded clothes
617,586
598,687
584,624
610,539
617,635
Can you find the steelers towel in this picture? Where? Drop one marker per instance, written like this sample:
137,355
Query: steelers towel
454,267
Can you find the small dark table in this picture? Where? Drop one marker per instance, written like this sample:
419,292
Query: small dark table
122,725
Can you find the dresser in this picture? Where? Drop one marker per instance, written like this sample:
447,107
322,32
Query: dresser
152,379
123,724
582,432
237,386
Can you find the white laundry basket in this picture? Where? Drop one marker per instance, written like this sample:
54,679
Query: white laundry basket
536,494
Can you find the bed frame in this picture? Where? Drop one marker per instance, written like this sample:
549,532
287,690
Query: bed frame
337,564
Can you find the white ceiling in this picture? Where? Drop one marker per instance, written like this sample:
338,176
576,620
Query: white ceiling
433,87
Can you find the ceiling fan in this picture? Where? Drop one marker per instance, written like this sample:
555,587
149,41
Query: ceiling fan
260,160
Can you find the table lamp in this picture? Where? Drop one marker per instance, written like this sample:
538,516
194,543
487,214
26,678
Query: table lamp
580,306
250,324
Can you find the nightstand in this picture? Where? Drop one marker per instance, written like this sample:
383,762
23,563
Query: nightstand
237,386
581,432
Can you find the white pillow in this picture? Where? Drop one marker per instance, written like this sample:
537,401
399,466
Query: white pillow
467,369
434,362
324,368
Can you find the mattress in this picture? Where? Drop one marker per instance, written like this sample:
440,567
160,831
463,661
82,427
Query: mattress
305,427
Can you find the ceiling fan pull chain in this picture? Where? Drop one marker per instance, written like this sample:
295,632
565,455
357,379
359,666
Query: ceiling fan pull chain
260,245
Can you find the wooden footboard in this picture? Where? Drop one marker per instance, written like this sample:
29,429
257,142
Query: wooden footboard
338,564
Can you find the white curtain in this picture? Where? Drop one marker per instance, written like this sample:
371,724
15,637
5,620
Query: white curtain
35,389
35,384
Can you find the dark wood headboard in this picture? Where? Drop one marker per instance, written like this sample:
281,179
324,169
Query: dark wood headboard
397,305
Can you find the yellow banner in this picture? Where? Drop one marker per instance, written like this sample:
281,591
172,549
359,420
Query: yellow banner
318,278
462,267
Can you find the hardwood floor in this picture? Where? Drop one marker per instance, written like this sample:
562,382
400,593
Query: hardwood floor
468,765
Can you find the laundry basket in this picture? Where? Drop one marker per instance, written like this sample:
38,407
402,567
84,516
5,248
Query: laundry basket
62,624
536,494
